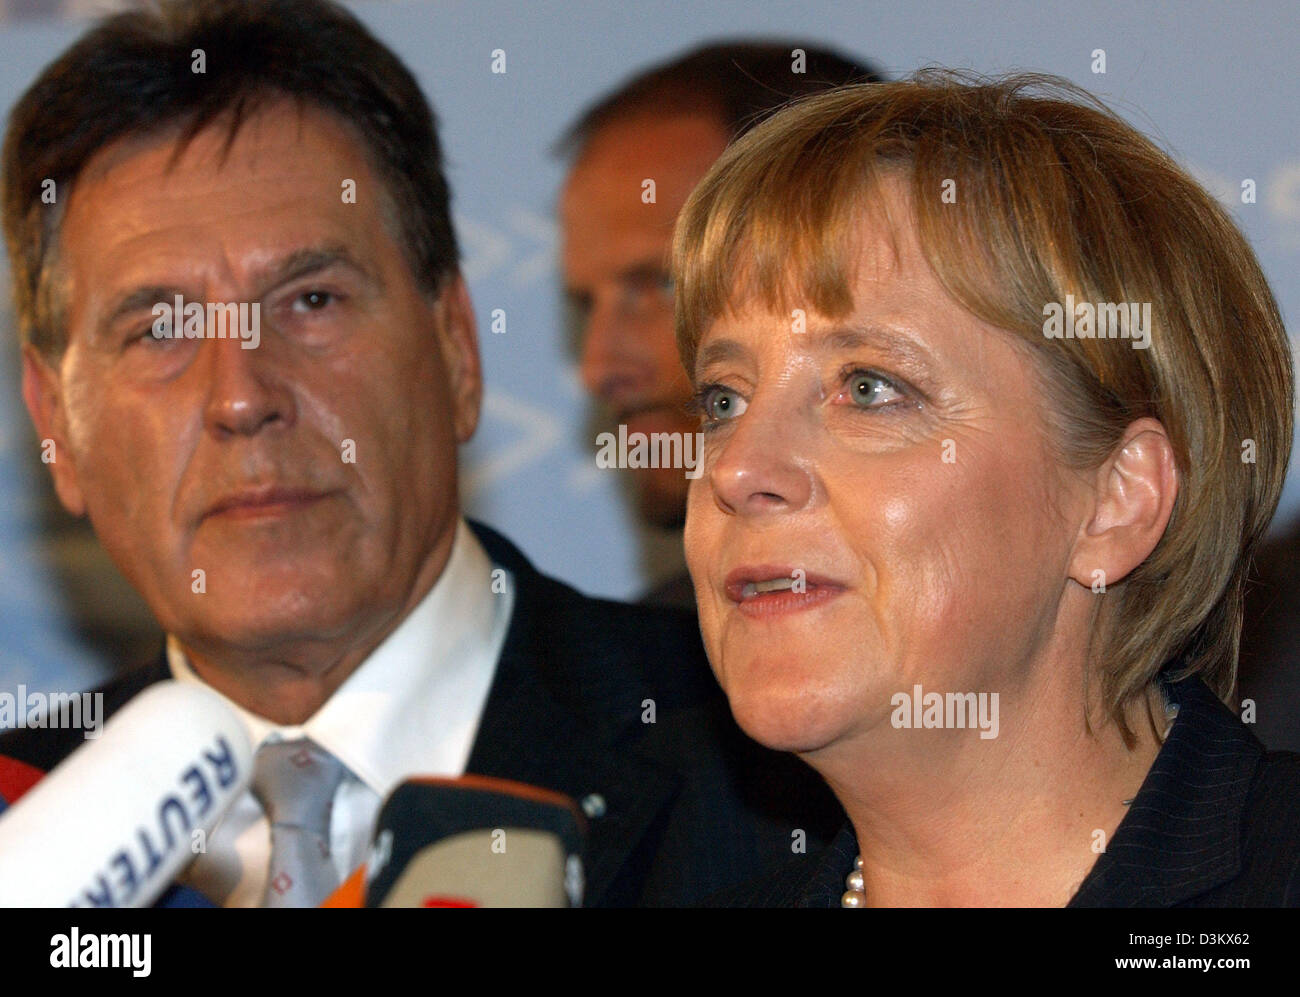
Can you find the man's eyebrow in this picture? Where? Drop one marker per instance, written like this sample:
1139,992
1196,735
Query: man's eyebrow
299,263
139,299
645,270
309,260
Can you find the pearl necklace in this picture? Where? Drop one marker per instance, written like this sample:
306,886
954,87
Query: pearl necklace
855,895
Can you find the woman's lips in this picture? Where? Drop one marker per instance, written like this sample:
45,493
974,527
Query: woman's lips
766,590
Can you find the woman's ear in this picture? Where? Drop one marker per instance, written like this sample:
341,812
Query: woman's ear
1133,498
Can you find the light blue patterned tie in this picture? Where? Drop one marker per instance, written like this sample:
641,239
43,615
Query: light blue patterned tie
295,782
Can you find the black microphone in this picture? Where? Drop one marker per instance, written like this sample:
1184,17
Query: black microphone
476,842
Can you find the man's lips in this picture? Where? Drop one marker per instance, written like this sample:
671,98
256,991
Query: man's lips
769,589
274,500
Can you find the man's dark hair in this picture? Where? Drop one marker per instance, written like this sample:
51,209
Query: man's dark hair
742,82
133,75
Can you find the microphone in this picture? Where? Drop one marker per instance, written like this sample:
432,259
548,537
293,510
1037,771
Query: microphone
119,818
475,842
16,778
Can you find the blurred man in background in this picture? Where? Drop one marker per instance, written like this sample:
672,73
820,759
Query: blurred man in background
635,155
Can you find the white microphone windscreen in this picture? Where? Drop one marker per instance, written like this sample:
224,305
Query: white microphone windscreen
119,818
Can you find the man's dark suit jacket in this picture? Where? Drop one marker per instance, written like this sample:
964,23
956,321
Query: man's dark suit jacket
1215,824
690,805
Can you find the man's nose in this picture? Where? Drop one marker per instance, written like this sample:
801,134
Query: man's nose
604,361
621,342
245,392
764,463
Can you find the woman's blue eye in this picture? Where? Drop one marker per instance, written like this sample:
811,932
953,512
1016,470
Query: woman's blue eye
870,390
719,403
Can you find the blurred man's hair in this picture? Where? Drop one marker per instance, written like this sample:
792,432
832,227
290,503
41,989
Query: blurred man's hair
134,75
742,82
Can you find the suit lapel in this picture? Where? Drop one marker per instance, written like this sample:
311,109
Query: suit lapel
529,734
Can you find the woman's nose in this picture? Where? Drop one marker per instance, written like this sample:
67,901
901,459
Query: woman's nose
764,463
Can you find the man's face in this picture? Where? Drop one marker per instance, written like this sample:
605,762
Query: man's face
301,491
616,272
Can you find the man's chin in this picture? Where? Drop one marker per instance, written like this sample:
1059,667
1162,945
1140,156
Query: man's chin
253,626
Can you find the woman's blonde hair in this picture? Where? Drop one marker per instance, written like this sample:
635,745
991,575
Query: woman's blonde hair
1024,190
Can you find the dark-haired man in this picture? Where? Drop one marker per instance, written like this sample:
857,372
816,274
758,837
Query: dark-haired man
286,502
635,155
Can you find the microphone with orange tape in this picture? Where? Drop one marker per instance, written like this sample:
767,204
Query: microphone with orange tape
471,842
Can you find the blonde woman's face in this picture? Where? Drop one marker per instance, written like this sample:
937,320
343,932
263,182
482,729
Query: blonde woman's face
879,508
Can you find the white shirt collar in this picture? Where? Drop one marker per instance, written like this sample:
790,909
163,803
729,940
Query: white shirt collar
413,706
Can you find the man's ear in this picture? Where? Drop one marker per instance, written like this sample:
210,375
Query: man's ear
459,336
44,397
1133,498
